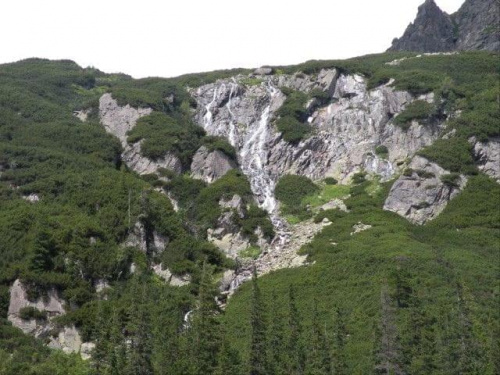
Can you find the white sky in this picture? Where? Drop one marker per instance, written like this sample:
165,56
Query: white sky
172,37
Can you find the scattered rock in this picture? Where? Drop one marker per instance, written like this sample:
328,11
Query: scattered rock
83,114
170,278
32,198
360,227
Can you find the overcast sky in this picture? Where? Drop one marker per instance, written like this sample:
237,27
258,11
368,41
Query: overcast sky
168,38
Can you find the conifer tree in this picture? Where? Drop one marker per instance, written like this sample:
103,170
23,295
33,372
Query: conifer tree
140,348
101,334
258,352
277,356
340,336
229,360
205,327
318,360
296,350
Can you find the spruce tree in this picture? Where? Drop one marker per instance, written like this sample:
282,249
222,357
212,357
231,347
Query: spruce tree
296,350
229,360
318,359
140,348
340,337
258,352
277,356
206,327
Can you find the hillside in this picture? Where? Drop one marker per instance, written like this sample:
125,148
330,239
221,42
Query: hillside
132,209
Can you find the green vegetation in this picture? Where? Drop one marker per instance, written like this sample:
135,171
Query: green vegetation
417,110
28,313
293,116
381,151
291,191
395,285
327,194
162,135
330,181
248,81
252,252
423,299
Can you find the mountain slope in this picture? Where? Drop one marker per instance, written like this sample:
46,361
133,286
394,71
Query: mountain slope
121,199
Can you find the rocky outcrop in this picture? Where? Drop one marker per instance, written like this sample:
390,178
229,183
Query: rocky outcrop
227,234
169,277
209,166
150,242
487,156
422,193
345,132
50,306
118,121
475,26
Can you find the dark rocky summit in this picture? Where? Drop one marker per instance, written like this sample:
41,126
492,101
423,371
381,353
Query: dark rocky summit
475,26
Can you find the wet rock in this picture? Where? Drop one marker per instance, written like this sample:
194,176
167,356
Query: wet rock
209,166
421,195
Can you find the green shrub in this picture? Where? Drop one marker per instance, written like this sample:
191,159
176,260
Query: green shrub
29,312
293,116
454,154
293,130
451,179
381,150
291,189
359,178
417,110
213,143
330,181
163,134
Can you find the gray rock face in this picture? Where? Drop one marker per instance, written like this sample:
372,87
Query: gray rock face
344,136
478,24
488,157
475,26
422,196
118,121
432,31
67,339
209,166
151,242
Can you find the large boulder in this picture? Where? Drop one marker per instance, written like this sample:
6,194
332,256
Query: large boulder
209,166
421,193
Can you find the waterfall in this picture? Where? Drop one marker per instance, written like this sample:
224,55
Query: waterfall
233,133
254,158
207,118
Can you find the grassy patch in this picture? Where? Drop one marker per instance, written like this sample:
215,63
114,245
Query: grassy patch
327,194
252,252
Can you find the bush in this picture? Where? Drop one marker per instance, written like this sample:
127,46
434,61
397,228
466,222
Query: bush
293,116
359,178
417,110
293,130
330,181
291,189
454,154
28,313
381,150
451,179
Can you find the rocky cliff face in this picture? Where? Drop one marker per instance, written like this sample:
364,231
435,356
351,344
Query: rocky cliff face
118,121
475,26
64,338
209,166
345,132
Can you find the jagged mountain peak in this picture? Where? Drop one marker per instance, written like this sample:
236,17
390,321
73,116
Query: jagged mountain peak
473,27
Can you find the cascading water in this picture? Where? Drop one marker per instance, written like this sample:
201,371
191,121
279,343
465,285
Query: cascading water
233,133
